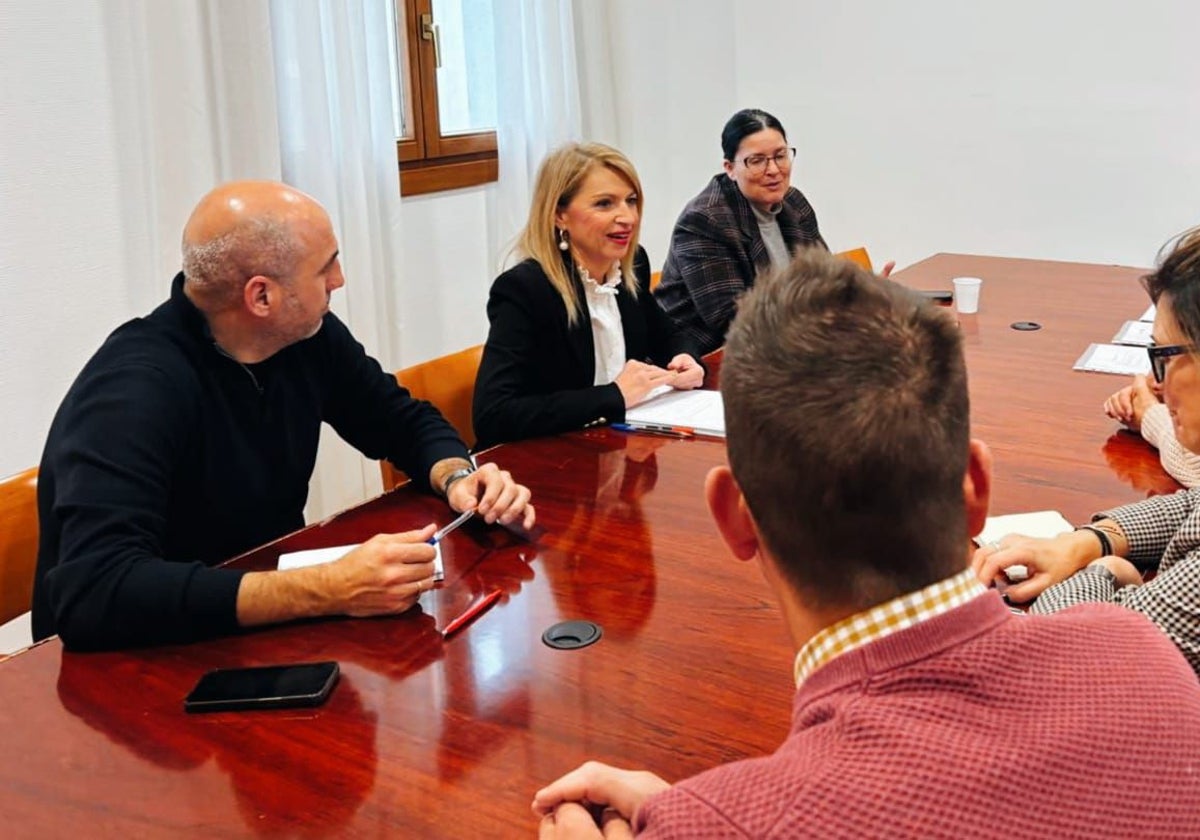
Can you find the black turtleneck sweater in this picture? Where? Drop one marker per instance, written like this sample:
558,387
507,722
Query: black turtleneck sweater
167,456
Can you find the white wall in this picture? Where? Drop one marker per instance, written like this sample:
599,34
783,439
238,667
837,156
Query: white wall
1062,130
446,253
79,200
674,89
75,207
62,231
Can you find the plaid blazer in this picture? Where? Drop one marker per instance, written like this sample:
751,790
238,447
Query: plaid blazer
716,252
1163,532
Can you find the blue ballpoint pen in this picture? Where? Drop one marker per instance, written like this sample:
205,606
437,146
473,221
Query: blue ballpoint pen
665,431
439,572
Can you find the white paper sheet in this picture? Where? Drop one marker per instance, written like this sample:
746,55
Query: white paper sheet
1137,333
317,556
1114,358
654,393
1042,523
1148,315
702,411
313,557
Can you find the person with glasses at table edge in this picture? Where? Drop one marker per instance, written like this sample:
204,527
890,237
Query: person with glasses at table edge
748,218
923,706
1139,407
1105,559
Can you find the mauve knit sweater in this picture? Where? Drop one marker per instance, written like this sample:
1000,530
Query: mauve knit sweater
975,723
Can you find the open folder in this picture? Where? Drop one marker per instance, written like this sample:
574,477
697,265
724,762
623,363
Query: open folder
702,412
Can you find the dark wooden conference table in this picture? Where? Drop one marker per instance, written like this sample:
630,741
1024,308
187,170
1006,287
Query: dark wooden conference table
430,738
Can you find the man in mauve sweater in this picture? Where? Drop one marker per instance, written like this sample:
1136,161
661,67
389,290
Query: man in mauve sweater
191,435
924,707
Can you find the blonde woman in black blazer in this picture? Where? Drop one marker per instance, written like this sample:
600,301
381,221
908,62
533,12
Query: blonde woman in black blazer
576,337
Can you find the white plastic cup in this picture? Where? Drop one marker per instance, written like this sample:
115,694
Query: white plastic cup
966,294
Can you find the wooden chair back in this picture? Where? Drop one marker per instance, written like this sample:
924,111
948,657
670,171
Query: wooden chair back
859,256
449,383
18,542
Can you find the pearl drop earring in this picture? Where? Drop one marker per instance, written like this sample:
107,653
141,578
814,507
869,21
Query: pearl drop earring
563,244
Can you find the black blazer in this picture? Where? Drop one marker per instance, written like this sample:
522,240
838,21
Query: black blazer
537,372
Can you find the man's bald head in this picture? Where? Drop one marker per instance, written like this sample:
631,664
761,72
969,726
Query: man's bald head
240,230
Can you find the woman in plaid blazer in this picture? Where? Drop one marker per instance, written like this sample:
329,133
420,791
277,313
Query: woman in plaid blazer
747,219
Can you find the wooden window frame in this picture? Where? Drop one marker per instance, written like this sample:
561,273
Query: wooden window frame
430,162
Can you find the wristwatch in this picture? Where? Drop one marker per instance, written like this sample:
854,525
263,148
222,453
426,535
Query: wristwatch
462,472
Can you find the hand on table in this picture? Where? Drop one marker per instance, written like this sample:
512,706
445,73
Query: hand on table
688,372
1047,560
571,821
494,496
637,379
599,784
1129,404
384,575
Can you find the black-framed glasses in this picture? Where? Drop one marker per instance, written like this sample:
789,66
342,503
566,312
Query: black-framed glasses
757,164
1160,354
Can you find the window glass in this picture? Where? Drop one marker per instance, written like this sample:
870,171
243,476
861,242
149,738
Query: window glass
466,88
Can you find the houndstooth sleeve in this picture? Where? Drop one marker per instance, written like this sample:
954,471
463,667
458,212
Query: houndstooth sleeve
1149,525
1087,585
1164,532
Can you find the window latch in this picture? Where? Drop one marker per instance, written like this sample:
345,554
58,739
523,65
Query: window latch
431,32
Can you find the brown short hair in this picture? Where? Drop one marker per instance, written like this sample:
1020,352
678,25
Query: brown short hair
848,430
1178,277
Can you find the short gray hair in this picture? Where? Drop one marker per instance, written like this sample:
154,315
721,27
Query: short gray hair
218,269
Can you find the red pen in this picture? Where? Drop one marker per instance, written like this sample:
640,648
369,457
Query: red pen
472,612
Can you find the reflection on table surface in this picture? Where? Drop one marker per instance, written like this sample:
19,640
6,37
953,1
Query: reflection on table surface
430,737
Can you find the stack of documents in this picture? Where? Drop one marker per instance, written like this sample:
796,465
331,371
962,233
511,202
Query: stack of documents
1125,355
700,412
1114,358
1137,333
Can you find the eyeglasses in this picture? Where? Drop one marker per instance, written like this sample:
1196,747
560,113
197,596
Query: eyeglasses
757,164
1160,354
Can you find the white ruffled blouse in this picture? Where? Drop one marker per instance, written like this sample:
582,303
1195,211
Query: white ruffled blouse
607,336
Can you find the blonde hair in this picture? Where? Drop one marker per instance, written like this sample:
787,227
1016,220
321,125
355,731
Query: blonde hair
558,180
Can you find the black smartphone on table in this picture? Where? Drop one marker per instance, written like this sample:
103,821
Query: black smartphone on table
267,687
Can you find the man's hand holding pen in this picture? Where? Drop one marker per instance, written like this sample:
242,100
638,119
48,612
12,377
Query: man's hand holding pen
494,496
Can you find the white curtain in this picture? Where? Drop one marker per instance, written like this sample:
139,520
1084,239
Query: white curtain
117,118
193,104
338,145
537,103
